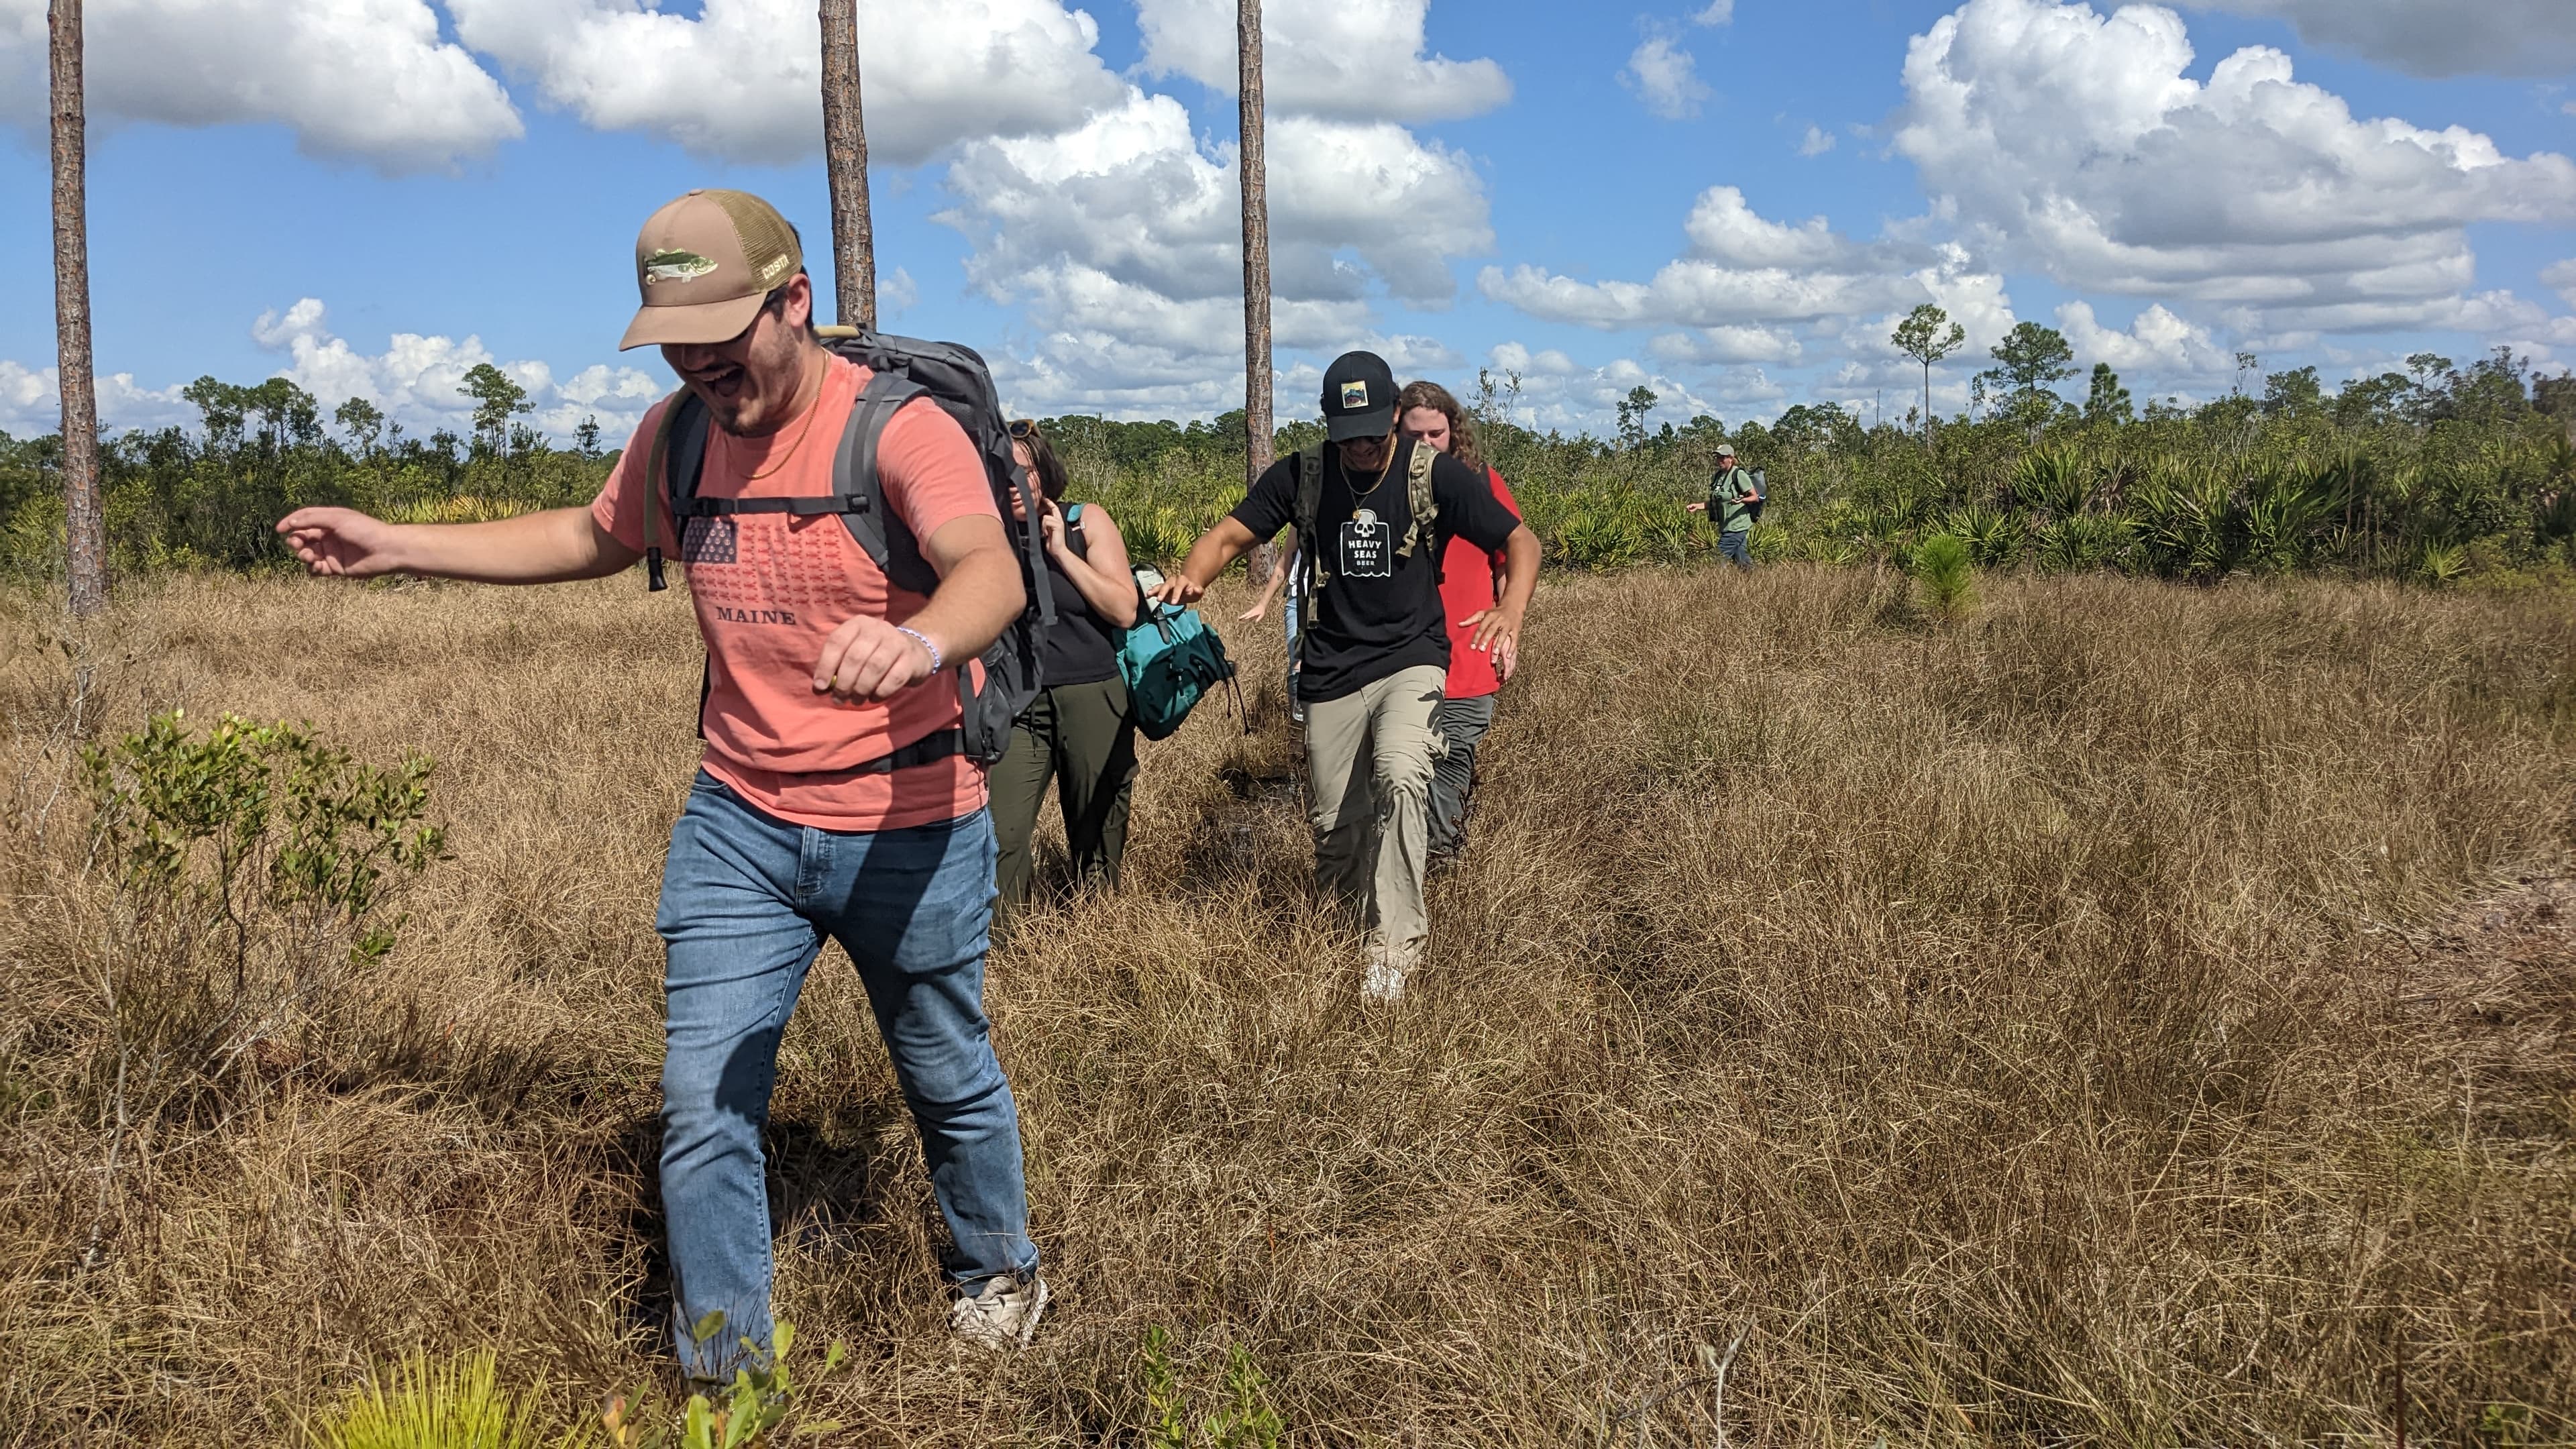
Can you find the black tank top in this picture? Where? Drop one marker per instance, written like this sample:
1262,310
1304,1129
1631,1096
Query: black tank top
1078,649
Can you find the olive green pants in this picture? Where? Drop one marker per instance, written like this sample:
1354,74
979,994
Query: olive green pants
1078,736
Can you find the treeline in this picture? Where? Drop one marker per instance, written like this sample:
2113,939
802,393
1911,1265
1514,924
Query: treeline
2437,473
207,497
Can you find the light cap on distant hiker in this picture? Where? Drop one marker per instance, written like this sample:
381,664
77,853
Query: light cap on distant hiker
704,263
1359,398
1726,450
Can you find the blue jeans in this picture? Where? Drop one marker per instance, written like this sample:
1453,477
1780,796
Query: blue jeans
746,903
1733,547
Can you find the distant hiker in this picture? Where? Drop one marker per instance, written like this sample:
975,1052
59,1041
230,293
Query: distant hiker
1428,413
1079,731
1733,499
1374,511
836,795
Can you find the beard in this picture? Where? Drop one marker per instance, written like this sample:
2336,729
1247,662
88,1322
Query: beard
753,397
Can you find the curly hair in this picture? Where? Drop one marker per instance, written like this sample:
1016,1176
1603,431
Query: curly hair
1462,429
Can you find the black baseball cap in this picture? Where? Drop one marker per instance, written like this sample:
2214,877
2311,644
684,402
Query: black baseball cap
1359,398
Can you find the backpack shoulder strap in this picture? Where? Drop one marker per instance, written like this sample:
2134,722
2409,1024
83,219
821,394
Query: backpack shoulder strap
1418,499
859,494
1073,532
678,456
1310,503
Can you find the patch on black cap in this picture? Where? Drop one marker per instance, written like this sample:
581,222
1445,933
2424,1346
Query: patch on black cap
1359,397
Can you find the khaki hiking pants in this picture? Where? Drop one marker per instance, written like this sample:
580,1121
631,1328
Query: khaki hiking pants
1369,756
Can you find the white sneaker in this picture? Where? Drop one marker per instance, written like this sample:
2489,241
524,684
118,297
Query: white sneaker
1384,980
1002,1315
1383,983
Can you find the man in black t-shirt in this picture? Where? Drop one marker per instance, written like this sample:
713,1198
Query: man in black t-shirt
1376,651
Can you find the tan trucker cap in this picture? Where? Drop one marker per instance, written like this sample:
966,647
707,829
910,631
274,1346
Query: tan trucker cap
704,262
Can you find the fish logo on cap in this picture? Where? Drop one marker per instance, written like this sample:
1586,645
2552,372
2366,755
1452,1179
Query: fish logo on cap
677,266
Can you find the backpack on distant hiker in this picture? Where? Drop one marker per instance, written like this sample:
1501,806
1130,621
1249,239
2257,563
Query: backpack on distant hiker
1420,503
1753,509
1170,659
903,368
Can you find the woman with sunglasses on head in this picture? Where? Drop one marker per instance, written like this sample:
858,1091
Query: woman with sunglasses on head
1077,734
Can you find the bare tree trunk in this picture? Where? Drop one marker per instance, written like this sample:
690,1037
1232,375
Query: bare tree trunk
845,159
85,542
1256,269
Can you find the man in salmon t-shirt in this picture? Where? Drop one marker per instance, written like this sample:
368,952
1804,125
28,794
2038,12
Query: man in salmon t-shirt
833,797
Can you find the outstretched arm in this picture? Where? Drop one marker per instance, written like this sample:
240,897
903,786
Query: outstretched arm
1215,549
534,548
1278,581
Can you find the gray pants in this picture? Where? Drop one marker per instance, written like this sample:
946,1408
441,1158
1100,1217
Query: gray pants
1368,772
1462,724
1736,546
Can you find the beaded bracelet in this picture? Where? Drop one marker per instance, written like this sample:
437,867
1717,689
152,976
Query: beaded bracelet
924,640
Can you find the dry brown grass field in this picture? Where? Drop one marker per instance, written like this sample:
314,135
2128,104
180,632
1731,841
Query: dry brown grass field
2129,1015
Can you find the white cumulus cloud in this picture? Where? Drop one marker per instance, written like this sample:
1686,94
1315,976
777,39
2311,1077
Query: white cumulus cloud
742,79
366,80
1666,78
1353,59
1557,392
2155,342
2560,277
31,401
1744,269
1117,304
2077,142
417,378
2429,37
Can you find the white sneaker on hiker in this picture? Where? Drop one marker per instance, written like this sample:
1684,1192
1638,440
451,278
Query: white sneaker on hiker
1383,981
1002,1314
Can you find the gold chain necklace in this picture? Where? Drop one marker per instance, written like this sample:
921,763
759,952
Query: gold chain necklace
784,458
1382,468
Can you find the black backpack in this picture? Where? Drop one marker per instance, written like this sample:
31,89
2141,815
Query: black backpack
904,369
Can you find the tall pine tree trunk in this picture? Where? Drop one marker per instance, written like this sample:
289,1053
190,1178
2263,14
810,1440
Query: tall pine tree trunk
85,542
845,160
1256,268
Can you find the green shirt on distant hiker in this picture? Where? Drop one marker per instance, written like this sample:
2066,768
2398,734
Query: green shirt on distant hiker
1733,498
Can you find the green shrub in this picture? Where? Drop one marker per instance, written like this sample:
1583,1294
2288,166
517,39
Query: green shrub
1995,539
2443,565
2053,481
1243,1416
2082,543
253,866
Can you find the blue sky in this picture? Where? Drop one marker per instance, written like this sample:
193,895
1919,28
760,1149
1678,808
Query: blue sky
371,195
